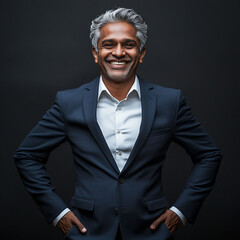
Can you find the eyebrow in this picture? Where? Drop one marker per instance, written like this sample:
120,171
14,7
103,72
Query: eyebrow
112,40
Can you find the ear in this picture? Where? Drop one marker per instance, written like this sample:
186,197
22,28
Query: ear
142,54
95,54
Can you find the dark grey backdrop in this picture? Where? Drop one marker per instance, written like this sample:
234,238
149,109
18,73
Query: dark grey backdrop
192,45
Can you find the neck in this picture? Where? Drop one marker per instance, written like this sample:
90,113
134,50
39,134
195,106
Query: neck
119,90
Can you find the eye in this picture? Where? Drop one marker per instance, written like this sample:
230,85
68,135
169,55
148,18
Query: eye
129,45
108,45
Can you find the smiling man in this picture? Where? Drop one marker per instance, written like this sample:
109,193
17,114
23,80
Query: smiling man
118,53
119,127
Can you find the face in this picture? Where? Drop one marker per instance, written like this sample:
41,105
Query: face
118,52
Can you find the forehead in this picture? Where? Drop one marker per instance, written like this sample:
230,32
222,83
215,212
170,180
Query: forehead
118,31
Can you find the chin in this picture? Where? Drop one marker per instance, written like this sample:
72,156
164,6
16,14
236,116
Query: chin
119,77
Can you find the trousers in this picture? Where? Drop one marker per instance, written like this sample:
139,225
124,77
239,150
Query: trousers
118,235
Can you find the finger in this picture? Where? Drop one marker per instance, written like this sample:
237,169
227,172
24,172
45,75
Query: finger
172,221
79,225
65,223
156,223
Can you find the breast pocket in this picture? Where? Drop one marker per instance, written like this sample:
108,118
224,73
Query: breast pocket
158,139
156,132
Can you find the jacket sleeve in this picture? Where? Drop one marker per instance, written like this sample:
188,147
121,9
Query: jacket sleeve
31,157
206,159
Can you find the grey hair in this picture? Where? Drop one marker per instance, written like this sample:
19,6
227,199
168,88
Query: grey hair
119,15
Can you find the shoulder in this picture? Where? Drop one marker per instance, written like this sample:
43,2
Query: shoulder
75,94
161,91
158,89
74,91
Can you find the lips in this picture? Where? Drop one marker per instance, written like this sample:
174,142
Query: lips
117,63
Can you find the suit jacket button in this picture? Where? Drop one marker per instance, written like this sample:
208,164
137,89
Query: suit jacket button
121,180
115,211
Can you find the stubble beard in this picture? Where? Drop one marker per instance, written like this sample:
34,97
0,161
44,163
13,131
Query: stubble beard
117,77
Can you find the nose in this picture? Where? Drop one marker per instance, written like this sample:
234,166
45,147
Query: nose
118,51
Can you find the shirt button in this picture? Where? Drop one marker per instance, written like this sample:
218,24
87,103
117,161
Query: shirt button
120,153
121,180
115,211
119,108
118,131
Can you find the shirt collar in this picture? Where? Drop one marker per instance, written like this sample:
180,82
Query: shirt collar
135,87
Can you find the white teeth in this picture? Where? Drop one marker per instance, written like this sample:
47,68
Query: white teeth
118,63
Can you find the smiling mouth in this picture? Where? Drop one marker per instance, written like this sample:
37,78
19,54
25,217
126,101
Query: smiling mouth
118,64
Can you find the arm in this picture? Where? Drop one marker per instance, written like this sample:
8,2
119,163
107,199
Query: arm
32,155
206,159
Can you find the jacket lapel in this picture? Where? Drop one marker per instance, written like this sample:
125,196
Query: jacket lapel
148,101
89,107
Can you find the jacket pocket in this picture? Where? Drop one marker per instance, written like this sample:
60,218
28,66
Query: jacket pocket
82,204
157,204
159,131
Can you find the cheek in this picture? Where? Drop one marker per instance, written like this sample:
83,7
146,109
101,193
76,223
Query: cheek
134,55
104,53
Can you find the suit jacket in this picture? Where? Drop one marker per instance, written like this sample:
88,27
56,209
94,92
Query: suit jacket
104,197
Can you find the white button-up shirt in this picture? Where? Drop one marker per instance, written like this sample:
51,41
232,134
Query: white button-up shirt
119,121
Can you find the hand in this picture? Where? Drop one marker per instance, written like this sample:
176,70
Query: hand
68,220
169,218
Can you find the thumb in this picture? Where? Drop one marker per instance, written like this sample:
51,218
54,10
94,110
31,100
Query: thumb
79,225
156,223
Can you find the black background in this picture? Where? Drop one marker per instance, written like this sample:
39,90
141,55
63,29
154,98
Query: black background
192,45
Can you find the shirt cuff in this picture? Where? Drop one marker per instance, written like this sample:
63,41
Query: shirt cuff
56,220
181,216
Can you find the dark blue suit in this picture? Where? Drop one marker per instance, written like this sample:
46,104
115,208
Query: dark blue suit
105,198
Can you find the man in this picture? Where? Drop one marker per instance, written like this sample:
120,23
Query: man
119,127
